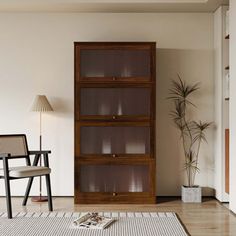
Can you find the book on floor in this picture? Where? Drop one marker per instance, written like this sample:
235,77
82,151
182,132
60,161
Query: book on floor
92,221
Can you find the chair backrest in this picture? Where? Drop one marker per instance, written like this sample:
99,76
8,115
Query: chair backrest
15,144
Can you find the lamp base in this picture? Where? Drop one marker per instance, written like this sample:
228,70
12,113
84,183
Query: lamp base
39,199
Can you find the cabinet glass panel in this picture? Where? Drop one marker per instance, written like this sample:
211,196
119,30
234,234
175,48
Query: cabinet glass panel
114,63
115,140
115,101
114,178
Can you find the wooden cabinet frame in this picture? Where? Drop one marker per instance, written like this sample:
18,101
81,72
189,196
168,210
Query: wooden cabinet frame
117,121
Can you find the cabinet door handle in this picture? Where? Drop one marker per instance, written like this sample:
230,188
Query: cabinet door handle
113,155
114,194
113,117
113,78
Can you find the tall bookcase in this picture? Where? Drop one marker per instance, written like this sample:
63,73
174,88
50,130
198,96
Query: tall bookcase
115,122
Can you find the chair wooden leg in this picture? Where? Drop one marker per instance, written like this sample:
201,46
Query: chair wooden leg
35,163
8,197
27,191
7,187
48,183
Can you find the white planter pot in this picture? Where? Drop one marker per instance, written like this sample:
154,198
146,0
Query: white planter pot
191,194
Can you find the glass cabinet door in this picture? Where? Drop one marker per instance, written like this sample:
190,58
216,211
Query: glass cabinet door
115,103
115,64
117,141
114,178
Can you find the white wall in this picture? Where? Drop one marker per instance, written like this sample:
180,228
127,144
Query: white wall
36,57
232,105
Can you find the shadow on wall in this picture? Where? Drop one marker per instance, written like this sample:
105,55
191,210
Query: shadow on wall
193,66
62,107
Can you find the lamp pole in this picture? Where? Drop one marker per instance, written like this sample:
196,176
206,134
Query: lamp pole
40,105
40,149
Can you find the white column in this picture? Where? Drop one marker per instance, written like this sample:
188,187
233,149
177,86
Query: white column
221,113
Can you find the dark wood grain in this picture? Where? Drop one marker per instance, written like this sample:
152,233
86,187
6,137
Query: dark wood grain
115,121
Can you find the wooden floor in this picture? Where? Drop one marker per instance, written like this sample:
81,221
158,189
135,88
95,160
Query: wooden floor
208,218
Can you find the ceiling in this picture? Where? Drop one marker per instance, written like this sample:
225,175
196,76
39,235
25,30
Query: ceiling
111,5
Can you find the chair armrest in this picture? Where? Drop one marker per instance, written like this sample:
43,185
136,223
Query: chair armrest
38,155
4,155
39,152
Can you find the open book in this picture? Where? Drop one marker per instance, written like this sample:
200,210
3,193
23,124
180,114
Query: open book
92,221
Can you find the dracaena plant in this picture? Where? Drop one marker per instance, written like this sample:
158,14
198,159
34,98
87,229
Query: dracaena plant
192,133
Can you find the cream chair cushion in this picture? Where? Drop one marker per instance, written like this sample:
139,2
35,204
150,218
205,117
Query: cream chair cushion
26,171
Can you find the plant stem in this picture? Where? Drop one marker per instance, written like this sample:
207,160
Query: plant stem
198,149
191,144
186,124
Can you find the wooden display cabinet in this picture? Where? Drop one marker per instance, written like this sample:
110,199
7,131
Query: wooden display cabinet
115,122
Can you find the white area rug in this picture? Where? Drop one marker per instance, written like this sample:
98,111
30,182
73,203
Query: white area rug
60,223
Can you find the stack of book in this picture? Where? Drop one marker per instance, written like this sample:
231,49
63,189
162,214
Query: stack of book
92,221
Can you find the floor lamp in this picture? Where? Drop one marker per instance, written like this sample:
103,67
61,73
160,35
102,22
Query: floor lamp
40,105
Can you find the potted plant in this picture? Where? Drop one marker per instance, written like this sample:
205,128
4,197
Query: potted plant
192,134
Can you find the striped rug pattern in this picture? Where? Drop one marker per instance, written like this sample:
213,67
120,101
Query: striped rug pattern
60,223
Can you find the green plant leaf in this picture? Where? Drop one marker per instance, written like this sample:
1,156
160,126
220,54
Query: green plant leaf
192,133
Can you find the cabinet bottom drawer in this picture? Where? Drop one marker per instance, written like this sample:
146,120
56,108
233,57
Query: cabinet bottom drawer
114,198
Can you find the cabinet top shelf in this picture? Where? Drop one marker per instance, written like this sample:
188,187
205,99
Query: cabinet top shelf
115,61
112,44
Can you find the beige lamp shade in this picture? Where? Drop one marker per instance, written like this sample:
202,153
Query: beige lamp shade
41,104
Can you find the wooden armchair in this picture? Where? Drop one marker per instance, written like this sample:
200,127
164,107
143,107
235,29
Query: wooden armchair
15,147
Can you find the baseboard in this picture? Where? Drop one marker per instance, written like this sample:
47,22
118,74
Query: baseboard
64,196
